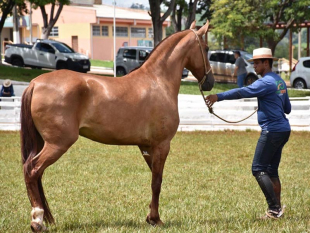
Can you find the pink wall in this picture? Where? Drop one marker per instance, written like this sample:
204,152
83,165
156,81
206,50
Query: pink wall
103,47
68,15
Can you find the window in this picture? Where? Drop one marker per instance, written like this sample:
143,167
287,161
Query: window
150,34
96,30
217,57
306,63
130,53
231,58
54,31
138,32
143,54
105,31
45,48
121,31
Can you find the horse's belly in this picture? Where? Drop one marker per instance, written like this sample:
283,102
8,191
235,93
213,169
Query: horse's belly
138,132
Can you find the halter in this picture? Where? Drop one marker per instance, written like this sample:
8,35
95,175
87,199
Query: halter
204,79
204,62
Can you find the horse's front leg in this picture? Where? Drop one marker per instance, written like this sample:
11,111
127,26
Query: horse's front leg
159,155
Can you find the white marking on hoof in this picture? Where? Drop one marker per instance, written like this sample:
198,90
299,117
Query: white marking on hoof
37,217
145,153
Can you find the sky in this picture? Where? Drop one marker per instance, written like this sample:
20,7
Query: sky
126,3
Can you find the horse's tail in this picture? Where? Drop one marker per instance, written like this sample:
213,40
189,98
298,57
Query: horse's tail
31,144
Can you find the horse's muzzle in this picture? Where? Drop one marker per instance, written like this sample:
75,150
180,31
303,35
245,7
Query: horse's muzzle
209,83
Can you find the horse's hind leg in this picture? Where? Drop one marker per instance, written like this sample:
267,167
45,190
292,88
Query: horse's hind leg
158,157
33,171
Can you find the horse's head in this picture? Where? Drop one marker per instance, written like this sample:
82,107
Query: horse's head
198,62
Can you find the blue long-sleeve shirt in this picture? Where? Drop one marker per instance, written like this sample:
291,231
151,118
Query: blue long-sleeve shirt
273,101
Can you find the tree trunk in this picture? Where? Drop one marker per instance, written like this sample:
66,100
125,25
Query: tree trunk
179,17
173,20
5,12
192,6
157,19
49,24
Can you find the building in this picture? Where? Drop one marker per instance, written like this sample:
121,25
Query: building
87,26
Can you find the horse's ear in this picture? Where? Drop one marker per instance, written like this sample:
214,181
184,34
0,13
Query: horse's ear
203,29
193,25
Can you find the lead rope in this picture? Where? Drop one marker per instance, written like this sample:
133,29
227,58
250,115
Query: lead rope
204,79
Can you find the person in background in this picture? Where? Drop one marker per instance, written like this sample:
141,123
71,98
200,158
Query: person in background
273,104
240,69
7,89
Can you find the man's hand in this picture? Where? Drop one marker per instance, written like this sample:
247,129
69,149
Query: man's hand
211,99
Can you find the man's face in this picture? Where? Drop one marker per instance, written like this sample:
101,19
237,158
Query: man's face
259,66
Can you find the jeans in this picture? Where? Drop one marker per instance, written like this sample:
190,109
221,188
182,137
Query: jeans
268,152
240,79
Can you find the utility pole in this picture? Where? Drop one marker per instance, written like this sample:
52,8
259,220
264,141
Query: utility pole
16,38
30,21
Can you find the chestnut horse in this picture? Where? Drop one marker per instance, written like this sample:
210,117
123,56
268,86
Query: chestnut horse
140,109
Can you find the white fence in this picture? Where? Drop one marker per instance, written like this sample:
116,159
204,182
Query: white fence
194,115
10,113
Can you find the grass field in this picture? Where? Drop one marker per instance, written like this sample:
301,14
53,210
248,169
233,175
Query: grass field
207,186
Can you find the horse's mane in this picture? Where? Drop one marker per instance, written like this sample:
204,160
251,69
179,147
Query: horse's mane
157,46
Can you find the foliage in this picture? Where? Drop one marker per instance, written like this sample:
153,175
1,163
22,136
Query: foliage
138,6
259,18
207,186
186,11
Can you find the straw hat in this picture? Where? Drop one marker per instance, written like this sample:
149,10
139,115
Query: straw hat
262,53
7,83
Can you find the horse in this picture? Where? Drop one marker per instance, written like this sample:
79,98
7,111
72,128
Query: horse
140,108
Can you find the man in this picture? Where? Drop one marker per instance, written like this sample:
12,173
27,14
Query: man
7,89
240,69
273,103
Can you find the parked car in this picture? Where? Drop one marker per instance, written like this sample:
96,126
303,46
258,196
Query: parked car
46,54
223,65
300,75
129,58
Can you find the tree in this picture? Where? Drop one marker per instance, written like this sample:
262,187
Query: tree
6,8
237,19
48,24
157,19
137,6
188,9
177,14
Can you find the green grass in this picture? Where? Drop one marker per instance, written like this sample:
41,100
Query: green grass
192,89
207,186
19,74
101,63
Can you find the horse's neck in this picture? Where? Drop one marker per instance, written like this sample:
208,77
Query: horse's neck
169,55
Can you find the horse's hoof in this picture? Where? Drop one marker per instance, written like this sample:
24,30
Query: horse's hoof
159,223
36,227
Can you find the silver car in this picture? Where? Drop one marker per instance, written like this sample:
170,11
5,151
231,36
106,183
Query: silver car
223,65
129,58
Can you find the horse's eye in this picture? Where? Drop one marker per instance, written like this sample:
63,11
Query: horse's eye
207,48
